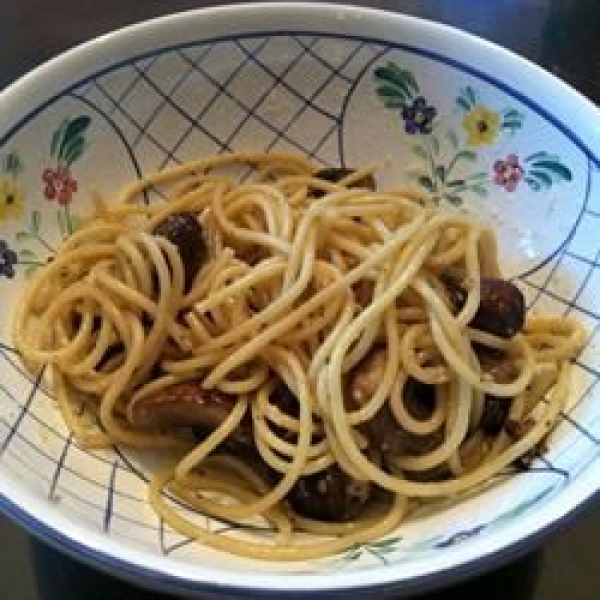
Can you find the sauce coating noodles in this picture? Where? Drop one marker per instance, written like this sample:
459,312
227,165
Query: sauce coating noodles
333,335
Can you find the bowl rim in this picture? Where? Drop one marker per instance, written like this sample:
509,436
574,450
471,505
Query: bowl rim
117,558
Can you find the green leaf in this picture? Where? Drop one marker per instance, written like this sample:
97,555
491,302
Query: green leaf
455,183
62,226
454,199
73,150
394,103
36,221
426,183
74,130
27,253
435,144
440,173
463,104
542,177
477,176
513,113
420,151
480,190
468,155
389,91
452,138
533,184
22,236
541,154
13,163
400,90
72,223
57,136
511,125
471,95
554,167
412,82
395,76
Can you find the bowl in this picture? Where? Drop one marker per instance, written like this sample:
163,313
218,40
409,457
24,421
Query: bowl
484,130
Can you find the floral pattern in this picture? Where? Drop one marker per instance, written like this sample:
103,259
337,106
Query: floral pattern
32,243
508,172
8,260
396,89
459,537
481,125
35,249
418,117
60,185
467,145
12,198
67,145
452,164
397,549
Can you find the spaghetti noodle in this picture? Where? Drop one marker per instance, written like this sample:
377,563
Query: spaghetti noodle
319,354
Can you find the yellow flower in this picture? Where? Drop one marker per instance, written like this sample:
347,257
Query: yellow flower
11,200
482,125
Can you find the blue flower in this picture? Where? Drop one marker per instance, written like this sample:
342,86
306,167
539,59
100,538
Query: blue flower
8,259
418,117
459,537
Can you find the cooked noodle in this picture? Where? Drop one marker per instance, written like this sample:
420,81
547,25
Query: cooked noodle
304,282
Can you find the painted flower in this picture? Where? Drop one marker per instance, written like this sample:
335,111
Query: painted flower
508,172
418,117
482,125
59,184
8,259
460,537
67,145
11,200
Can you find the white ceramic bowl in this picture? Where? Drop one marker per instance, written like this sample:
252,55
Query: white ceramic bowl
488,130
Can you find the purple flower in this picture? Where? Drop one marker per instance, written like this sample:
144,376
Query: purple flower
8,259
508,172
418,117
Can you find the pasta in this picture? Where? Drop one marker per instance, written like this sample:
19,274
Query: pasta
319,355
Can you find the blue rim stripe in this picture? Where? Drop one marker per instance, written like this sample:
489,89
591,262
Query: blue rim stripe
459,65
170,582
157,580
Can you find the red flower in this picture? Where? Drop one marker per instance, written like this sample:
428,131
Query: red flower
59,184
508,172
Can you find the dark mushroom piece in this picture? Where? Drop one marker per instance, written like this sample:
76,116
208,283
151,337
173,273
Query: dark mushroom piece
337,174
185,233
496,364
501,309
189,405
331,495
384,432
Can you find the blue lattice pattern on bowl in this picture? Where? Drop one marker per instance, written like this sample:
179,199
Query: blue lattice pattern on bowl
425,118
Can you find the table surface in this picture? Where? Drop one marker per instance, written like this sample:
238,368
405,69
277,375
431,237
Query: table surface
561,35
